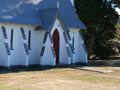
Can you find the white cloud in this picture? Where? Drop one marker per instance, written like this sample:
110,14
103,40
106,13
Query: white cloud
7,17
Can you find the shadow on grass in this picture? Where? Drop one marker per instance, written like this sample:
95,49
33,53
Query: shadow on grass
17,69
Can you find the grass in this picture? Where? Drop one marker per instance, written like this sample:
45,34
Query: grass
61,79
91,78
9,88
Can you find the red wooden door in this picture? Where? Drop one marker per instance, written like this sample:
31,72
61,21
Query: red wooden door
56,44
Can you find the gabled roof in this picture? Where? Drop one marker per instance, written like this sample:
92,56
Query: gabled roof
67,11
48,17
38,12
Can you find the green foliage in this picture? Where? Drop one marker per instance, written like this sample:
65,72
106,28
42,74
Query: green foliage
100,18
104,51
116,3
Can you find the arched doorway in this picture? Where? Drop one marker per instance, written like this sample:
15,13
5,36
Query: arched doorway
56,44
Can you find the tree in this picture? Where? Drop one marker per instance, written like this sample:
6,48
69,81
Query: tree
100,18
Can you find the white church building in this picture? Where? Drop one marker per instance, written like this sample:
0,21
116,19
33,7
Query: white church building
40,32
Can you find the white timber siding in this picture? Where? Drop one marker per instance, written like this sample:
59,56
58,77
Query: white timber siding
80,55
3,52
48,57
36,46
63,56
18,55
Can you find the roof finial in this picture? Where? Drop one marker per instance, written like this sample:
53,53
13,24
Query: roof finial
58,4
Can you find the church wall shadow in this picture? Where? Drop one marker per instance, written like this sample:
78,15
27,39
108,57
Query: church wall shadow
17,69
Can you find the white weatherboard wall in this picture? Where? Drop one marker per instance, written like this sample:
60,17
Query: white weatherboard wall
80,53
63,56
3,52
48,58
36,46
18,55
